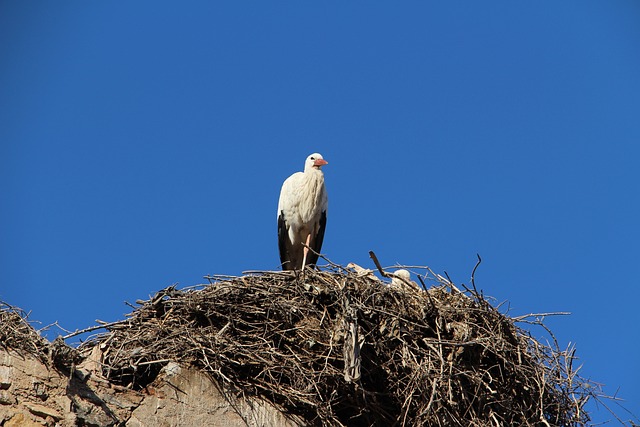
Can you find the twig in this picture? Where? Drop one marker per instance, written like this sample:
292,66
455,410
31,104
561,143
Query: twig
473,274
94,328
377,263
523,317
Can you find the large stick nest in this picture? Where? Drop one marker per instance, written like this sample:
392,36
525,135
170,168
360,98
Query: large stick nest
340,348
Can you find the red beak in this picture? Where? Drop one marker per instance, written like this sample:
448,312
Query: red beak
320,162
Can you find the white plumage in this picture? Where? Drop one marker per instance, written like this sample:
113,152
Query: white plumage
302,215
401,278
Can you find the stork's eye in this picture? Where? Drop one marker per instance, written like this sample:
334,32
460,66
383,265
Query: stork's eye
312,158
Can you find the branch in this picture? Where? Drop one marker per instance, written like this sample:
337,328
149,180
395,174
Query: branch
377,263
104,325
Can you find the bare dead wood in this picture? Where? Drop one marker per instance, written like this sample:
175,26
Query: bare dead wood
430,356
288,337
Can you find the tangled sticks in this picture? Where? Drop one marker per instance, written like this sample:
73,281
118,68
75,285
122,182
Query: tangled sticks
340,348
17,334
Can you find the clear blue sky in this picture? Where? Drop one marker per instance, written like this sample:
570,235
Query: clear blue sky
144,144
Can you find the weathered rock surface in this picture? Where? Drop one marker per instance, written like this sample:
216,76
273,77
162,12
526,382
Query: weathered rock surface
32,394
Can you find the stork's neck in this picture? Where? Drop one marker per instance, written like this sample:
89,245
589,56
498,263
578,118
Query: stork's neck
311,195
310,168
313,173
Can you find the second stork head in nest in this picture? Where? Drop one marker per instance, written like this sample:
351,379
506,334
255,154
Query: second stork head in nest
302,215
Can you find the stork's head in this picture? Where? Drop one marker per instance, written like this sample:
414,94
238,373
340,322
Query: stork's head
315,161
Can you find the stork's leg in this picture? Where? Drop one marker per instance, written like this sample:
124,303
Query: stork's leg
306,251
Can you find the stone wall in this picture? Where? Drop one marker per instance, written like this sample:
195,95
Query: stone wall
32,394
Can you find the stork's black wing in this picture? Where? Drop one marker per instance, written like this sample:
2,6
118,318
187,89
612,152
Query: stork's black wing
316,244
284,245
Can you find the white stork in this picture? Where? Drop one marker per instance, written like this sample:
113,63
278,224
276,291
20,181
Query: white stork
302,215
